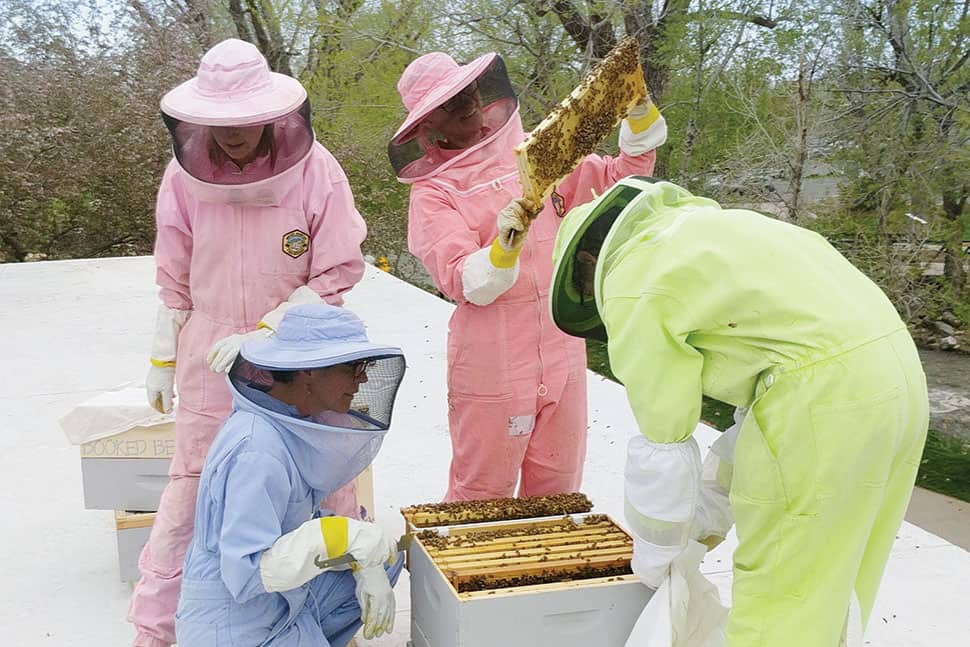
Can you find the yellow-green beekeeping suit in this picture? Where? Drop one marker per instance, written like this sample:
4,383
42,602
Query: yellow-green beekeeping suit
697,299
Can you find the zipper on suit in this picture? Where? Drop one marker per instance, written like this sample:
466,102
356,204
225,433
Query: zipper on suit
542,389
242,260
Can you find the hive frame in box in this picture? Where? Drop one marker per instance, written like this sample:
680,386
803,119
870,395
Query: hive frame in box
426,516
577,613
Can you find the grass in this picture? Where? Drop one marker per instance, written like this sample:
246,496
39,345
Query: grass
597,359
945,467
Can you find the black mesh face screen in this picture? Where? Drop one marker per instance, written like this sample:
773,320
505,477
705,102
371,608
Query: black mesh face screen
373,404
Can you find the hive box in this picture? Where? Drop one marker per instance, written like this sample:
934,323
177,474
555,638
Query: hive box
133,529
127,471
125,447
578,613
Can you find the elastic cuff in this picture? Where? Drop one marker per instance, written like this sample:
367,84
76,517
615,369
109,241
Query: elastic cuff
651,563
672,446
146,640
639,124
644,141
502,258
159,363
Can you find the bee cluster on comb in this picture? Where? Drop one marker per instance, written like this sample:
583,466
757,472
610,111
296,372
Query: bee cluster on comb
576,126
537,552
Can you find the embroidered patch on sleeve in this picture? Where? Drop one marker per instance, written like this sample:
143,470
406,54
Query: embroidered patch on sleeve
559,203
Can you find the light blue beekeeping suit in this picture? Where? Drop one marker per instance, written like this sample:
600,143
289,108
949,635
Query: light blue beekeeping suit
264,476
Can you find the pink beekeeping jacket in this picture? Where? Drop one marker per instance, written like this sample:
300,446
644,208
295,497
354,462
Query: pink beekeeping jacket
511,346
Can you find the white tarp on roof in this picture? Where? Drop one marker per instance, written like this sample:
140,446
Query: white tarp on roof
71,330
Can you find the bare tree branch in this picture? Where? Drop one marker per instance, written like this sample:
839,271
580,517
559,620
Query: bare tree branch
145,15
239,19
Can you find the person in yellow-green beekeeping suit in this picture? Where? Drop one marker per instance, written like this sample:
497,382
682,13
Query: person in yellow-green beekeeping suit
693,300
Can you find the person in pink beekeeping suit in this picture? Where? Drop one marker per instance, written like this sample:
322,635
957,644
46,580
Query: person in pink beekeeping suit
516,384
254,216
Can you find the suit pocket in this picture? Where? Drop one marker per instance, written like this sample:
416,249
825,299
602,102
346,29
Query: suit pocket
757,475
856,441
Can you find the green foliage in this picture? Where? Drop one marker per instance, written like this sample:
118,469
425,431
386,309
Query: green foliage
945,466
730,102
715,413
727,88
356,107
83,146
904,128
598,359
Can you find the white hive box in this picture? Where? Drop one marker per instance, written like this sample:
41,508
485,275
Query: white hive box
126,448
127,471
577,613
133,529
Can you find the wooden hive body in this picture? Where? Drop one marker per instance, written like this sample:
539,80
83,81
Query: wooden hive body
447,563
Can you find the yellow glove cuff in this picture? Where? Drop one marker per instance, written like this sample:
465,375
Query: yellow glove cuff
640,124
502,258
162,363
334,531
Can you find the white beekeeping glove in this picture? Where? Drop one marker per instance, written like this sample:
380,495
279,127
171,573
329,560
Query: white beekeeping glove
160,381
714,517
661,488
513,225
376,598
492,270
223,353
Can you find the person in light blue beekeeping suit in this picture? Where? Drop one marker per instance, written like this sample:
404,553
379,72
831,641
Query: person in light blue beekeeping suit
311,406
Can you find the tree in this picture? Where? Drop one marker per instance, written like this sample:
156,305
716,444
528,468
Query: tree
659,28
353,89
83,145
907,111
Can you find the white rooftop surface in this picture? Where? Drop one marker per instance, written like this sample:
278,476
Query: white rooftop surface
72,329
